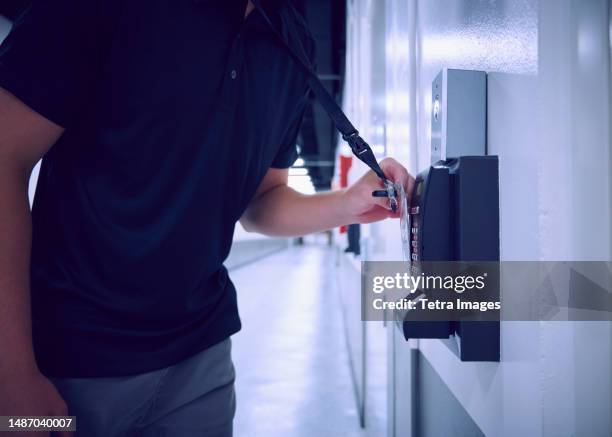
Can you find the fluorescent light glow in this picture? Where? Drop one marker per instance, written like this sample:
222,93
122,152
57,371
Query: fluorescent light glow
397,49
301,184
345,150
390,103
378,149
298,172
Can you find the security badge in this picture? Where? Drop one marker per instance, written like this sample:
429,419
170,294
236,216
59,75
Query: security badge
391,192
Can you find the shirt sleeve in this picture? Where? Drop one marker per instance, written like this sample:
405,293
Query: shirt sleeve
288,153
39,59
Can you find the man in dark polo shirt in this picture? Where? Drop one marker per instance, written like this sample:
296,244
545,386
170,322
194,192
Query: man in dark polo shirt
161,123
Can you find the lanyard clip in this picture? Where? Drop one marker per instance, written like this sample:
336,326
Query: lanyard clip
364,152
392,191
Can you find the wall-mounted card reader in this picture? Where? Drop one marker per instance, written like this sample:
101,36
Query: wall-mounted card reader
459,114
455,211
454,214
455,217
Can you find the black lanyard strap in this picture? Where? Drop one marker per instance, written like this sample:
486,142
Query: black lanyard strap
358,145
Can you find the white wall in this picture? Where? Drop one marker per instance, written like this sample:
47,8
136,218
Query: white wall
548,120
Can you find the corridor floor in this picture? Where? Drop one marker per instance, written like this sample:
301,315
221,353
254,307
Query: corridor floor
291,359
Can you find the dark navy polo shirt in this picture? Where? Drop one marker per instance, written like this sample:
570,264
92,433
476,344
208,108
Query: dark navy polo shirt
174,111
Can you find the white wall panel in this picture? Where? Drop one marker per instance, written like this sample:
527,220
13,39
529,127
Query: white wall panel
549,122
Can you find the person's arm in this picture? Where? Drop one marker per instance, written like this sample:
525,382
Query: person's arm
279,210
25,137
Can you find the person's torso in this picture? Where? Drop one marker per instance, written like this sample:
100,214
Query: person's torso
136,204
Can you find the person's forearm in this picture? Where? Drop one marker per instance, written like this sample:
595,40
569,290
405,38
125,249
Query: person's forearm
283,211
15,229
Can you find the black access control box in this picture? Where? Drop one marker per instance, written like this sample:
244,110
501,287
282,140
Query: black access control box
454,216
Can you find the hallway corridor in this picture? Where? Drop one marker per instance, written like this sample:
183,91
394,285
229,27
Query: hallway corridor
293,377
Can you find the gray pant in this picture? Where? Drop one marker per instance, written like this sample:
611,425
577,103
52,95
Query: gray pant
192,398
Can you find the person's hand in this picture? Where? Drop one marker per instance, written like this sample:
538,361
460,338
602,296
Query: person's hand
31,394
362,207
